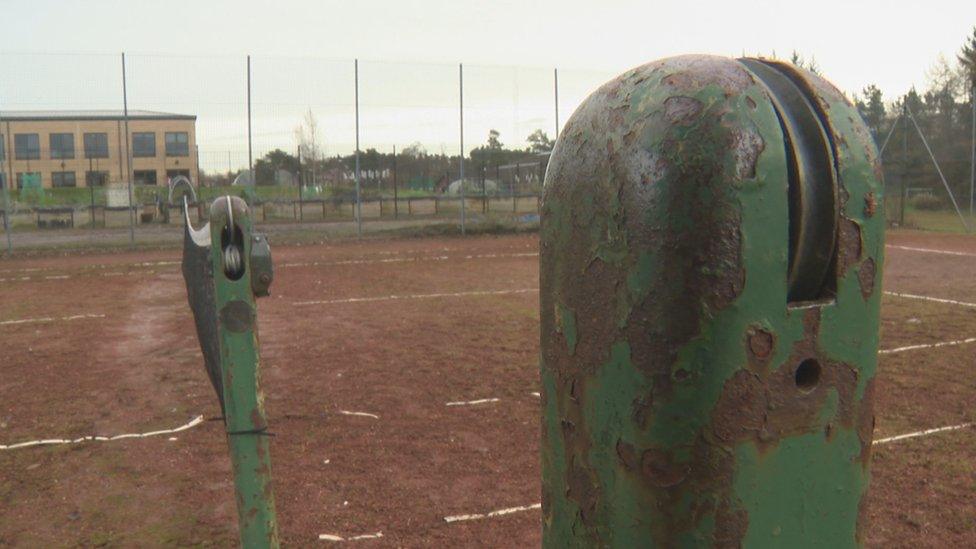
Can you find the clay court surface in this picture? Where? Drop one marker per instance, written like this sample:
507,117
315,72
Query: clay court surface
372,355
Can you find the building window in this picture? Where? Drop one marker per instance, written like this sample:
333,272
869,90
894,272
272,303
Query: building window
27,146
144,144
28,179
63,179
96,145
62,145
145,177
3,149
177,144
96,179
3,181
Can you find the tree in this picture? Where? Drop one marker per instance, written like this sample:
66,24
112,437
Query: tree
265,167
871,106
493,142
539,142
801,62
307,138
967,58
415,150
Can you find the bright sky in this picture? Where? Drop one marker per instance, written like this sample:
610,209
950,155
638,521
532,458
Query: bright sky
855,43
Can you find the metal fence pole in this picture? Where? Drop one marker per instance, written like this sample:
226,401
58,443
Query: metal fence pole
359,208
250,157
396,205
972,162
461,119
555,92
128,155
6,192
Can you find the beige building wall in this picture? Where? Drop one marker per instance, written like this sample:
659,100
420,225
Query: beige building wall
115,164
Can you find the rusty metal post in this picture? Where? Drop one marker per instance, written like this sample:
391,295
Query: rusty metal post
711,252
226,267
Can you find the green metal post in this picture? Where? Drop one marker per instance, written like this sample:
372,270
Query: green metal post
710,263
226,267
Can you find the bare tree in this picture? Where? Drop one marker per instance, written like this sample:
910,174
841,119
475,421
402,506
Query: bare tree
309,151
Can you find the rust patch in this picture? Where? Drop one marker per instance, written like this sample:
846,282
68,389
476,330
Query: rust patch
865,424
661,470
760,344
765,407
870,204
680,109
848,245
866,275
748,145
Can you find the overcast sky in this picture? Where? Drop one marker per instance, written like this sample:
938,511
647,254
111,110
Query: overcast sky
855,43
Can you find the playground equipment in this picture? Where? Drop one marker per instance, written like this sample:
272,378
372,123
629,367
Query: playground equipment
227,266
711,250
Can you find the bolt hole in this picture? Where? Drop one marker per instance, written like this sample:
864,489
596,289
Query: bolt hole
807,375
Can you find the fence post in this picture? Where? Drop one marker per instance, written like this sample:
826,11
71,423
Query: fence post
706,381
396,205
555,92
461,120
359,208
128,155
6,185
250,155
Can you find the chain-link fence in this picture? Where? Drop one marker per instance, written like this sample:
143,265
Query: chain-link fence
104,147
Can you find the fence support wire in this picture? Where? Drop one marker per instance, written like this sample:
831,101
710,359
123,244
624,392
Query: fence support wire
937,168
888,138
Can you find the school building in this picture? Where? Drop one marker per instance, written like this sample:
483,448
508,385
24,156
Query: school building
89,148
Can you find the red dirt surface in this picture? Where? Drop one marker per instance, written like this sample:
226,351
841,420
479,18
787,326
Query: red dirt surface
139,369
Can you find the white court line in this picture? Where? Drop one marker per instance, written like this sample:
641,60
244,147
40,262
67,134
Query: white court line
933,299
362,414
498,513
48,319
472,402
927,346
333,537
406,259
923,433
94,266
413,296
95,438
930,250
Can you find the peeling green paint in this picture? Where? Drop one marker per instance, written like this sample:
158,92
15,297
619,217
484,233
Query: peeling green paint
665,231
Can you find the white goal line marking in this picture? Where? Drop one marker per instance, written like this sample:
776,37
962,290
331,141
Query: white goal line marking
472,402
933,299
361,414
49,319
96,438
333,537
406,259
413,296
492,514
927,346
930,250
924,433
